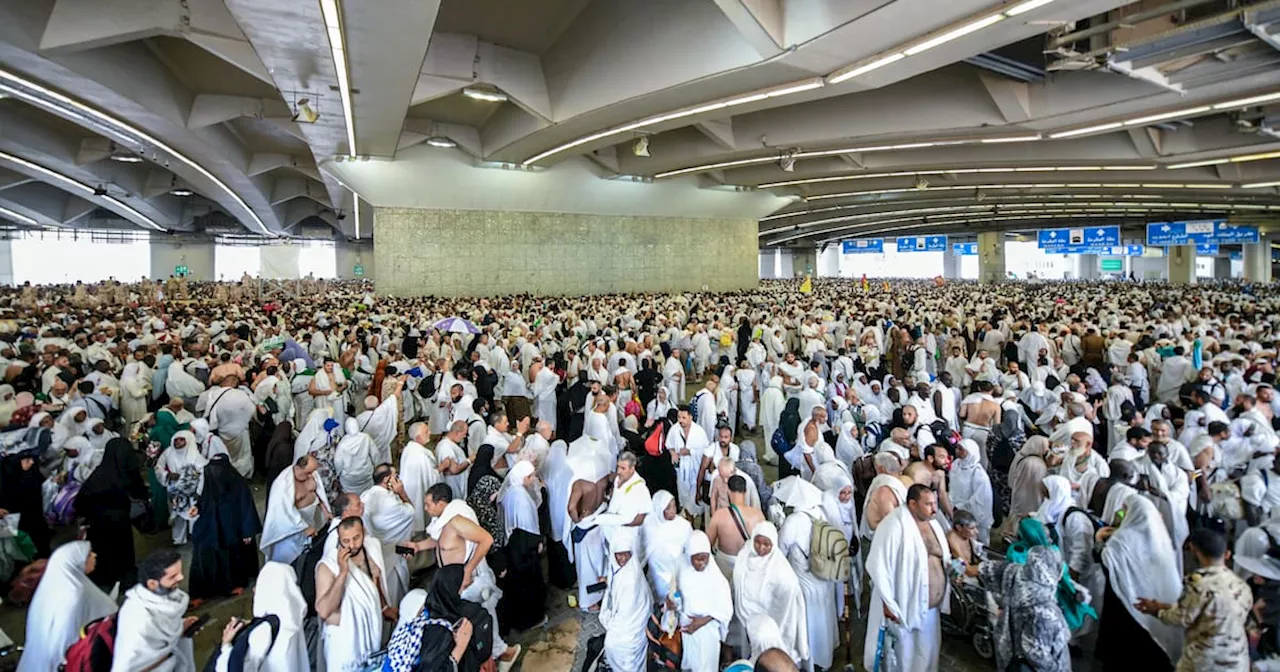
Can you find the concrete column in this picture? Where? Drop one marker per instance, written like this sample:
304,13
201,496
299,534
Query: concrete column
950,265
1087,267
1257,262
1221,268
196,256
991,257
1182,265
6,263
804,261
349,256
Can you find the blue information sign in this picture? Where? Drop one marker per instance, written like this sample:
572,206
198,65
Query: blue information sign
1097,236
1236,256
1167,234
964,249
922,244
1207,249
1101,250
863,246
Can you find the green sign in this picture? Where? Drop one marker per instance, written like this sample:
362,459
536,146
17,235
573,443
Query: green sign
1112,265
181,270
359,270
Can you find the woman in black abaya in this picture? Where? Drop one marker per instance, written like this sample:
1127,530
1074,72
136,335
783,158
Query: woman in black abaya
224,559
104,503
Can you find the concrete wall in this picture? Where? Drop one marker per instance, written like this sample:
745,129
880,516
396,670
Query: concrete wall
197,257
348,256
6,263
472,253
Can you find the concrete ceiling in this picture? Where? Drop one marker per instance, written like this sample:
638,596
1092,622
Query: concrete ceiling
855,117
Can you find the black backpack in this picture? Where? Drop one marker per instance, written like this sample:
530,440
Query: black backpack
240,645
304,566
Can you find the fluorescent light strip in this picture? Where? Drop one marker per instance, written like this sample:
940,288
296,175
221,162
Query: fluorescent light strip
864,69
1026,7
1242,158
1016,138
76,185
17,217
1088,129
954,34
127,130
1031,185
1260,185
1176,114
337,44
950,171
1246,102
356,209
775,92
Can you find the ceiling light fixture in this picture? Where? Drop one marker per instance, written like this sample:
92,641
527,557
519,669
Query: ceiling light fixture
180,191
864,69
1259,185
337,45
126,158
441,142
1255,157
485,94
1026,7
1141,121
304,113
641,146
954,34
1246,102
1087,129
75,109
1015,138
1197,164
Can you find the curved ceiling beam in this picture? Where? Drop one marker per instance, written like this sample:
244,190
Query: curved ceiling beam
122,92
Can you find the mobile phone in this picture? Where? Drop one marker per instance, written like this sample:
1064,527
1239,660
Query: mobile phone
458,623
405,550
197,626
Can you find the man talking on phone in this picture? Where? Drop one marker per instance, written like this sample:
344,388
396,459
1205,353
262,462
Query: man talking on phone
151,632
388,515
351,596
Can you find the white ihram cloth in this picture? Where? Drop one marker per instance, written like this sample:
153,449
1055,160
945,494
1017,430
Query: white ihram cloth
149,633
766,585
833,478
1140,562
389,519
229,413
276,593
380,425
626,607
703,593
283,530
353,459
898,565
587,555
484,585
664,544
696,442
880,481
418,471
557,476
820,609
313,436
359,629
971,489
63,603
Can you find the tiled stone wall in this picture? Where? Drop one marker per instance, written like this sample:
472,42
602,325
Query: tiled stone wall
471,252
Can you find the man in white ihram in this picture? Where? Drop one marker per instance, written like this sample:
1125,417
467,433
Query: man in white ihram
388,515
229,411
418,470
351,596
296,508
907,565
150,631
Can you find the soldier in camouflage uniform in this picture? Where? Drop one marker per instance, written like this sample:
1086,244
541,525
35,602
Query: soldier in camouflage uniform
1213,608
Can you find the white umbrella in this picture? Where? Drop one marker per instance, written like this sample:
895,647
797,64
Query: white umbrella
797,493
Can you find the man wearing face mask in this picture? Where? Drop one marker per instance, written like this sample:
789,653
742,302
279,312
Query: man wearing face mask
151,630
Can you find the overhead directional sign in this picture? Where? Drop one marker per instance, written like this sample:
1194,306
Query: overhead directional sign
1167,234
964,249
1096,236
863,246
922,244
1207,249
1100,250
1236,256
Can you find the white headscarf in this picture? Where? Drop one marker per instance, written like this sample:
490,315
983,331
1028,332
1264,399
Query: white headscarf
313,435
664,543
1140,562
1059,501
519,511
833,478
706,592
766,584
63,603
971,486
